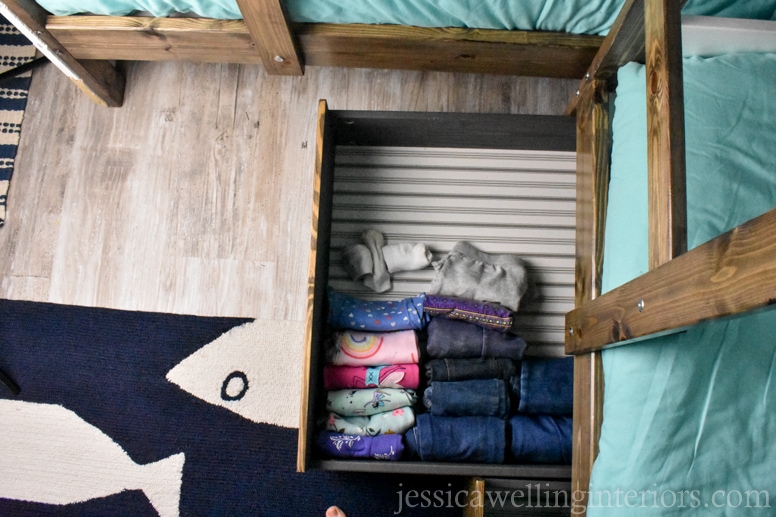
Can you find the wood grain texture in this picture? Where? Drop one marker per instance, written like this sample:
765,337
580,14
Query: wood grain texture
537,54
318,268
137,38
594,141
588,417
475,506
729,275
448,49
100,81
268,24
624,43
665,132
593,155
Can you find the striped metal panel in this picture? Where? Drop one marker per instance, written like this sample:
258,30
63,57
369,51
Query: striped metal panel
518,202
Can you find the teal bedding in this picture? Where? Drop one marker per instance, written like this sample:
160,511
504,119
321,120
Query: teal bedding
689,419
574,16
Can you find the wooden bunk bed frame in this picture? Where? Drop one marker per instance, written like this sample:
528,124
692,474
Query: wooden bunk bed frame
82,46
727,276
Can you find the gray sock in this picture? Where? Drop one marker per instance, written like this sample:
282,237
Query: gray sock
406,256
357,261
467,272
379,281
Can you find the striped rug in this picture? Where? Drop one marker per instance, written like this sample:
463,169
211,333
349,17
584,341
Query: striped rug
15,50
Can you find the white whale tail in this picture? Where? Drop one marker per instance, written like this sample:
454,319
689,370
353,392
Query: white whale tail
162,484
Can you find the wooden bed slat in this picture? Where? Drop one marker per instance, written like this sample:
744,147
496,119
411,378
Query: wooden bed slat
269,27
729,275
366,46
133,38
448,50
99,80
665,132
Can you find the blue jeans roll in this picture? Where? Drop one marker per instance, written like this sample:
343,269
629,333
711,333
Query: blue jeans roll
466,369
545,386
473,439
541,438
480,397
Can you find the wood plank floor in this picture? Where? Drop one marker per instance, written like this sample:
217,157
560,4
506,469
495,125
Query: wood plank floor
195,196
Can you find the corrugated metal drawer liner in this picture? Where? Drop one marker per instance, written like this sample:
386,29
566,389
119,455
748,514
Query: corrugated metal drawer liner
520,202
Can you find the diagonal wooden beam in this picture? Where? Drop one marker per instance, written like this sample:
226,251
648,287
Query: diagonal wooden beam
728,275
98,79
624,43
271,32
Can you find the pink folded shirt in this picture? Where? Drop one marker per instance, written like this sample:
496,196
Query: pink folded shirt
386,376
354,348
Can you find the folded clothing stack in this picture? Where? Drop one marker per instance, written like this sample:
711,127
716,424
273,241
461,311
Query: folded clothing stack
467,399
484,401
371,376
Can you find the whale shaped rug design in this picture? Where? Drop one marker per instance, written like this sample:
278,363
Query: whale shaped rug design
253,370
43,445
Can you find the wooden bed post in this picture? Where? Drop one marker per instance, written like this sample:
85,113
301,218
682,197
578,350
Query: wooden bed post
638,30
665,131
593,150
268,24
98,79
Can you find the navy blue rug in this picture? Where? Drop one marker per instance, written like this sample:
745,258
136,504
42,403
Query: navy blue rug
15,50
98,430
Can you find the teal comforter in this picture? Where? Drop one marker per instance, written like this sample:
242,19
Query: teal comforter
690,419
574,16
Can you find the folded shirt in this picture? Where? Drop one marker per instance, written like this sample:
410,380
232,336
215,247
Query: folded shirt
347,312
383,447
486,315
481,397
385,376
459,339
397,421
465,369
541,438
478,439
545,386
355,348
368,401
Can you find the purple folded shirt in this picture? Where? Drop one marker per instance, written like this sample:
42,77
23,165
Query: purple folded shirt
383,447
484,314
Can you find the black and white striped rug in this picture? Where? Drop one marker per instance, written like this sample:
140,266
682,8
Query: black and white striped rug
15,50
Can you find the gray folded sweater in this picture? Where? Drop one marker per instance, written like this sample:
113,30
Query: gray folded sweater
467,272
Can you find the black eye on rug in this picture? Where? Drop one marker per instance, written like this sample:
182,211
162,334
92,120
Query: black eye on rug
231,381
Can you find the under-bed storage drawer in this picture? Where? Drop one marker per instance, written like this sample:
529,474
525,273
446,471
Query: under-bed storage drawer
546,139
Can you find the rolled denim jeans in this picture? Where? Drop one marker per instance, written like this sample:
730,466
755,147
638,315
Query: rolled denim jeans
541,438
476,439
465,369
459,339
481,397
545,386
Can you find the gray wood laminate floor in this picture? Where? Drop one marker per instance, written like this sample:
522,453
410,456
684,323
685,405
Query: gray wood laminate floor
194,197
